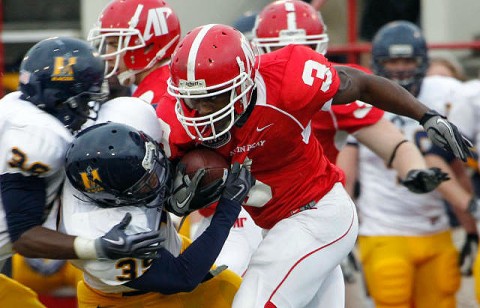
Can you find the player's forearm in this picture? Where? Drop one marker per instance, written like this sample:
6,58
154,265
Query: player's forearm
407,158
169,274
387,141
391,97
378,91
40,242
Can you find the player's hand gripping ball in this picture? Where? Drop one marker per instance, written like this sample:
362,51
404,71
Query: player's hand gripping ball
199,181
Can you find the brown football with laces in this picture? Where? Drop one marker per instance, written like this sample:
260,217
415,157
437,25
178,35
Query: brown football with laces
215,165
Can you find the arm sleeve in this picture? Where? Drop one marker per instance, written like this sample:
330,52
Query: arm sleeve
169,274
24,201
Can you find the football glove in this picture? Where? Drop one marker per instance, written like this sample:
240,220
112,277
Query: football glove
238,184
468,254
445,134
424,180
188,196
116,244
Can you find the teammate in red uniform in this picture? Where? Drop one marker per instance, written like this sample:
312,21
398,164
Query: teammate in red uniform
137,38
258,112
285,22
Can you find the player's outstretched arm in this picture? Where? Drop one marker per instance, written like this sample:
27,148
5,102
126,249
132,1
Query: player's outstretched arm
23,200
169,274
388,142
389,96
40,242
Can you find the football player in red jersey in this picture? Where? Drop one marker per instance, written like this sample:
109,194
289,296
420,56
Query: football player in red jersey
137,38
279,24
285,22
258,111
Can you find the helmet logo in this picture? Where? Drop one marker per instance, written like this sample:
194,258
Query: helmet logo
400,50
193,86
63,69
148,161
90,179
157,19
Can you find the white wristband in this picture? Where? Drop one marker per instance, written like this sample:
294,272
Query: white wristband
85,248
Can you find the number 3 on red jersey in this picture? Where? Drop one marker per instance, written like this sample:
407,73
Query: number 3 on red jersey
312,70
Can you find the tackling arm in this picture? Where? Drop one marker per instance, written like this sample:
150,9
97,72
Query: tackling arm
382,138
23,200
169,274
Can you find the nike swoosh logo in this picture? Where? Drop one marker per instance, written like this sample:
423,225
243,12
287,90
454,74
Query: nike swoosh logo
242,186
458,152
183,203
263,128
120,241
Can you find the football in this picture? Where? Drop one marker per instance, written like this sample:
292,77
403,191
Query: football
215,165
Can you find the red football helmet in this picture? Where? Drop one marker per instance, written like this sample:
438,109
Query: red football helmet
287,22
209,61
143,32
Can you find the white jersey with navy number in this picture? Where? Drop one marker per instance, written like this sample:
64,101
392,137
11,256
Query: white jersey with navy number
385,206
32,143
81,217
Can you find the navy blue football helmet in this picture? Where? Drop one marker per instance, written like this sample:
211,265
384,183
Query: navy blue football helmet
65,77
116,165
401,39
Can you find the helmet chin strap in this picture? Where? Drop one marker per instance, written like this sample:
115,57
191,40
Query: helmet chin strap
127,78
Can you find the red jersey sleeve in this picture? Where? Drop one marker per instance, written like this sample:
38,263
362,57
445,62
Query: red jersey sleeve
308,81
356,115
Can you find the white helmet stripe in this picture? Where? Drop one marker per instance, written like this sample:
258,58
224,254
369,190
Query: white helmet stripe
192,56
291,16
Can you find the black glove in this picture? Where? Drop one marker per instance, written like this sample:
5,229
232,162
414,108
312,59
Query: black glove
116,244
445,134
468,254
238,184
187,196
424,180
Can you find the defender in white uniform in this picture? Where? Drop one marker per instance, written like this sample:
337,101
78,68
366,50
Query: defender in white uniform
60,78
114,170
